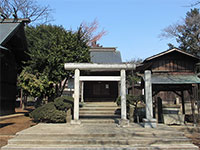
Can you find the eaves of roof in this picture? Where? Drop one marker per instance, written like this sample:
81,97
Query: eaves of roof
3,48
174,79
169,51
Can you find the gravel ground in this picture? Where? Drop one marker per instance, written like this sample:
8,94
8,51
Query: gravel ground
9,127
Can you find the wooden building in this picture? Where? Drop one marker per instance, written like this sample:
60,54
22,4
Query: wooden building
173,76
99,90
12,47
102,90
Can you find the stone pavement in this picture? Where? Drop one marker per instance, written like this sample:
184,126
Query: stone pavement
98,137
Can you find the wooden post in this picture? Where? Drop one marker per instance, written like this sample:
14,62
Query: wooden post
156,108
192,106
160,112
82,91
183,102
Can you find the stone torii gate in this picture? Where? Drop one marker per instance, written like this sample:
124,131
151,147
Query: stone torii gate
104,67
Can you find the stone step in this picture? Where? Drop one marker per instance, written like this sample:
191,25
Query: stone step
96,116
106,107
97,121
98,141
67,129
136,134
99,137
98,112
175,146
102,147
100,109
100,104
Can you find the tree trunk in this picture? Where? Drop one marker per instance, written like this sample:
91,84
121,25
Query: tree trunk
63,86
21,98
24,102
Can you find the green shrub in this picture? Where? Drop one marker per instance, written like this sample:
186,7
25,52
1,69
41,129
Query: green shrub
64,102
48,113
53,112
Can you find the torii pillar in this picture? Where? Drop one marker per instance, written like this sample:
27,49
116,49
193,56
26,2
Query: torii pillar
149,121
76,97
110,67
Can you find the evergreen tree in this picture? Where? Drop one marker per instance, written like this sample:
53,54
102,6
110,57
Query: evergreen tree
50,47
186,34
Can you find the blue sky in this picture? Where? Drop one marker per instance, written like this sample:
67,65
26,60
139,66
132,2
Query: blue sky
133,26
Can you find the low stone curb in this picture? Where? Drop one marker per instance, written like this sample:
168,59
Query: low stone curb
10,116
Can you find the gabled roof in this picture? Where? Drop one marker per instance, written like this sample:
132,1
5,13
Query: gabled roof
12,37
8,28
169,51
105,55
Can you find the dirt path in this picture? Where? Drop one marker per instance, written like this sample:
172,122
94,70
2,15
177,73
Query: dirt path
9,127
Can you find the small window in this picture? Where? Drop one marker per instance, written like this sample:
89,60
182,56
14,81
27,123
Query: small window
107,86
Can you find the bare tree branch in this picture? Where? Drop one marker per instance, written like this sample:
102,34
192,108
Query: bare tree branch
195,4
26,9
170,32
187,34
89,31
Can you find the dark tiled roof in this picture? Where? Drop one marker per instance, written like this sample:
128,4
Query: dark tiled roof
105,57
8,27
12,37
6,31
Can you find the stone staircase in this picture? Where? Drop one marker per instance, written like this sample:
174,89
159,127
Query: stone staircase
99,113
98,137
99,131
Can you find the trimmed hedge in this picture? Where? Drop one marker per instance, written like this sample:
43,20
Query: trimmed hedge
63,103
53,112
